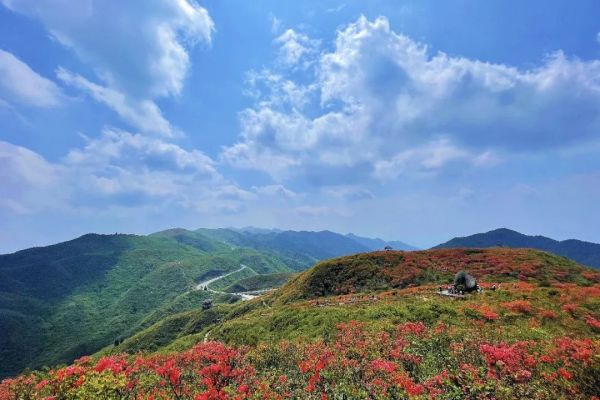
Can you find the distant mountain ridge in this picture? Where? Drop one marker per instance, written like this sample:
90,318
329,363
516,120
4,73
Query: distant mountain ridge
379,244
300,249
586,253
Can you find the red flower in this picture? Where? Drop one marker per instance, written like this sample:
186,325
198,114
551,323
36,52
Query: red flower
520,306
592,322
565,374
570,308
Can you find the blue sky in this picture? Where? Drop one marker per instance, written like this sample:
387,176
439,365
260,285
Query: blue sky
415,120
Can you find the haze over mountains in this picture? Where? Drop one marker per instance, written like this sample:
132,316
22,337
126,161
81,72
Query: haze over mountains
585,253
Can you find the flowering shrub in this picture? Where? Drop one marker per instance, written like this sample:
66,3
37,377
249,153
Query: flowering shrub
593,323
519,306
570,308
485,312
548,314
355,363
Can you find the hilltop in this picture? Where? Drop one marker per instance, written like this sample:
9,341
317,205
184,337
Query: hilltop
386,270
585,253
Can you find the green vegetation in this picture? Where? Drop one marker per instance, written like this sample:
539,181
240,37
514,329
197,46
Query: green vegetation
63,301
260,282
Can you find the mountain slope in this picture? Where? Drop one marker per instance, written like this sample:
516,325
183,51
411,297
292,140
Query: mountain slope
59,302
62,301
379,330
585,253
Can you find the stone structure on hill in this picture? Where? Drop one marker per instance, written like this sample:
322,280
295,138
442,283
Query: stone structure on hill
464,282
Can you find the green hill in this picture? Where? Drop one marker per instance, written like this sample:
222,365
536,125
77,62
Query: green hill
62,301
260,282
368,326
396,269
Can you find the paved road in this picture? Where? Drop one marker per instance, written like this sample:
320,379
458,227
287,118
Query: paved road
244,295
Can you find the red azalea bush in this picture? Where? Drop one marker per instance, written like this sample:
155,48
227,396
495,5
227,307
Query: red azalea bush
570,308
519,306
592,323
410,361
486,312
548,314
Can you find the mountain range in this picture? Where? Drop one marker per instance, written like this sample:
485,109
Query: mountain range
585,253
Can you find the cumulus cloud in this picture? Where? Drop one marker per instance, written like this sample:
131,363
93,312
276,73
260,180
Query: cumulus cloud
20,84
386,106
117,169
142,114
28,181
138,47
119,163
138,50
296,49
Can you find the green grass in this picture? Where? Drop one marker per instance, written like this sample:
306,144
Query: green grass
259,282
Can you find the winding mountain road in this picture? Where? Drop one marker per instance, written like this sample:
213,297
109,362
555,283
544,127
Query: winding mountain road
244,295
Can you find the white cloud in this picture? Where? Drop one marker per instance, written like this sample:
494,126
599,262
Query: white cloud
322,211
20,84
137,47
383,107
275,24
429,157
117,169
27,181
296,49
138,50
120,162
141,114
